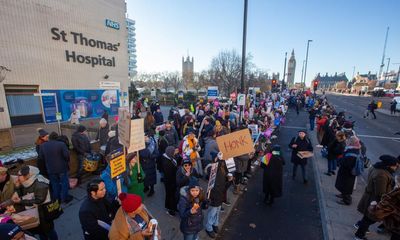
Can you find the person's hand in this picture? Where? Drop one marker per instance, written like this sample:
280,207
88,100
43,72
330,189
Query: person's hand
147,233
294,146
194,208
187,174
15,198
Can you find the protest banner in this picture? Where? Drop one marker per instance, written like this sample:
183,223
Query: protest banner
137,141
213,174
235,144
118,165
124,125
230,165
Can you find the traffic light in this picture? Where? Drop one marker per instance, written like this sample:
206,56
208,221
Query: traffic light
315,85
273,83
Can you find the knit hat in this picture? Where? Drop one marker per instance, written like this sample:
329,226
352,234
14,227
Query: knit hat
193,183
213,155
388,160
190,130
169,151
81,128
130,202
303,130
8,231
186,160
42,132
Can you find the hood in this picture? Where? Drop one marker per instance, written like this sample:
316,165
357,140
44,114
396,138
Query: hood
184,191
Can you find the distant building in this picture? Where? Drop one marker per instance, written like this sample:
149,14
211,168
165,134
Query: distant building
363,82
132,67
330,81
187,72
388,79
291,70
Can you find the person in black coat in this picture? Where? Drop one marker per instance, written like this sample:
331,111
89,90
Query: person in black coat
56,158
335,150
113,141
345,179
158,117
81,144
297,144
96,208
148,163
170,167
273,175
184,173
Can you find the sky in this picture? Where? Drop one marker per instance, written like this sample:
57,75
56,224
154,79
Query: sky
346,34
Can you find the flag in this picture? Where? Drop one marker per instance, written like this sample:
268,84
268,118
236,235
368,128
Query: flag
266,158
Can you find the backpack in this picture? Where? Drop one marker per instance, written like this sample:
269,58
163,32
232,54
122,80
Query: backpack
358,168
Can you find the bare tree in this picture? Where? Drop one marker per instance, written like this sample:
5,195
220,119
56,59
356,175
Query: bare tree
175,80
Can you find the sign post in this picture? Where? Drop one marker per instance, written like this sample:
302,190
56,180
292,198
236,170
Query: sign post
58,114
212,92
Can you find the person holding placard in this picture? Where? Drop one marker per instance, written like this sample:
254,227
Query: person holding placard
299,144
136,175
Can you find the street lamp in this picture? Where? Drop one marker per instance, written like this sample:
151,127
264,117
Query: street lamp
305,69
244,46
387,71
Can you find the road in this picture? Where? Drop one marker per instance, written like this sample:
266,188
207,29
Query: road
378,135
293,216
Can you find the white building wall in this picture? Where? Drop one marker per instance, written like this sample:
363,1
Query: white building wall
27,47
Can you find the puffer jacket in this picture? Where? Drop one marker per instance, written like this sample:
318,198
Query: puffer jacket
191,223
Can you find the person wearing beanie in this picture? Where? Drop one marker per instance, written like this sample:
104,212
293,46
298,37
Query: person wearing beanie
132,220
170,167
10,231
80,142
380,181
272,165
96,212
184,173
102,132
42,138
191,204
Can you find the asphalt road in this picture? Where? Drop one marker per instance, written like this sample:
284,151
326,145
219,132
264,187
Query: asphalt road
293,216
378,135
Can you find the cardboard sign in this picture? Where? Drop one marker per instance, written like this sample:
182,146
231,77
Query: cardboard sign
235,144
305,154
118,166
213,174
124,125
137,141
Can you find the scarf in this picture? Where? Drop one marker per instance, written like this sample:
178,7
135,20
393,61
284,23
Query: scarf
192,145
33,176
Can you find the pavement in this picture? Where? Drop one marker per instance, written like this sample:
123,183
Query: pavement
295,215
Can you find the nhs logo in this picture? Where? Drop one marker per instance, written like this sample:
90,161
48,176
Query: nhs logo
112,24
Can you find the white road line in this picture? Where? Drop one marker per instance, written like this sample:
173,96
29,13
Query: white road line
381,137
293,127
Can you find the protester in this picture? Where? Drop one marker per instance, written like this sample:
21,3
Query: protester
80,142
171,135
158,117
345,178
241,167
191,149
132,220
102,132
56,157
136,176
6,186
335,151
32,189
96,212
113,141
298,144
42,138
191,204
148,162
74,118
393,105
272,164
111,183
380,182
312,115
210,146
148,121
170,168
184,174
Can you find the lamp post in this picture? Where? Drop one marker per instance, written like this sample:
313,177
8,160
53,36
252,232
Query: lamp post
244,46
305,68
302,73
387,71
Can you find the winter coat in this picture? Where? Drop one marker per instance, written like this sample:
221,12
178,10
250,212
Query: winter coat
210,146
190,223
40,162
56,156
102,135
148,163
92,210
159,118
170,168
81,143
380,181
345,179
273,176
183,180
302,145
121,231
7,189
388,211
335,149
329,135
111,184
172,137
112,145
134,186
217,193
187,151
241,163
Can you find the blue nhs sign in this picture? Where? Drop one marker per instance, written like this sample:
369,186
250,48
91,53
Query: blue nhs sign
112,24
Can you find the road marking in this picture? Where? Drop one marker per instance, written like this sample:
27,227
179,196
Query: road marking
381,137
293,127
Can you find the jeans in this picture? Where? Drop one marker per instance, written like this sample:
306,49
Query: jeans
199,166
363,226
332,164
59,186
303,170
190,236
212,217
312,124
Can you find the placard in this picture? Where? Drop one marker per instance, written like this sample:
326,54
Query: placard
124,125
241,99
230,165
137,141
118,166
235,144
213,174
254,130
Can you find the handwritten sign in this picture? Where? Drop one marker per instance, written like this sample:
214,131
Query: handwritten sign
118,166
137,141
213,174
124,125
235,144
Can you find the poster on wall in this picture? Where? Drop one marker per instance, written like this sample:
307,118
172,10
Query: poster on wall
89,103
